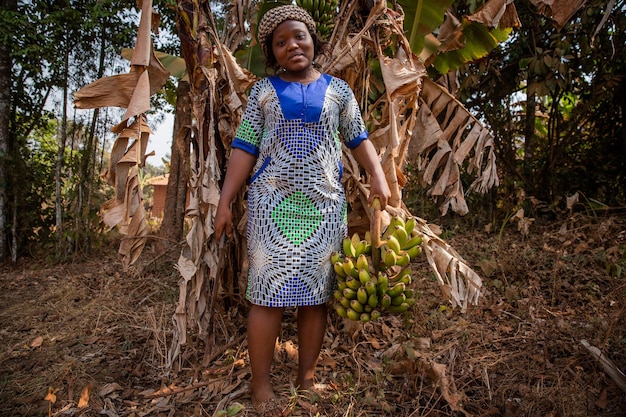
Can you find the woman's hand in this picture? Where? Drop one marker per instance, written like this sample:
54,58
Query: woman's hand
223,221
239,166
365,154
379,188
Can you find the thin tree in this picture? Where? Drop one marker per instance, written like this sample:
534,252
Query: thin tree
6,6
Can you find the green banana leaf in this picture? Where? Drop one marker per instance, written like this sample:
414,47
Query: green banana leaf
479,41
421,18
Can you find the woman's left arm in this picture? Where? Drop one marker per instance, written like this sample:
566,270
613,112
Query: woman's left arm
365,154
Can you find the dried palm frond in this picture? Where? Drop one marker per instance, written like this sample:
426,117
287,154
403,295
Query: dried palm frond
131,91
403,128
445,135
218,85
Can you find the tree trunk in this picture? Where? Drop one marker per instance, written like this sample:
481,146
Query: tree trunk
529,136
176,195
88,161
5,106
59,162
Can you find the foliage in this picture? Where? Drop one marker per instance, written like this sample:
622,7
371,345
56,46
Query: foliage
578,84
57,46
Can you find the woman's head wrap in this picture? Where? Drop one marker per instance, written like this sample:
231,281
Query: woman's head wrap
277,15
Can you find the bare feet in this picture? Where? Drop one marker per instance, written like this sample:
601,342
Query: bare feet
266,404
270,408
304,384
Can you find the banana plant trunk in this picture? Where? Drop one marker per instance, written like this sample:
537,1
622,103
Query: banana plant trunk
209,267
402,109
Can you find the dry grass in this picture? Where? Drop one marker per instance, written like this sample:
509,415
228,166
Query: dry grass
69,328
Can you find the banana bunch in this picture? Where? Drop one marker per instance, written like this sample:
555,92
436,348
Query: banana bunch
363,293
323,12
400,243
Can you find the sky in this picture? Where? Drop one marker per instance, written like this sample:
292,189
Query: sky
161,141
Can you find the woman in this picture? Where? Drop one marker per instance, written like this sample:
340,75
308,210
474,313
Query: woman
289,140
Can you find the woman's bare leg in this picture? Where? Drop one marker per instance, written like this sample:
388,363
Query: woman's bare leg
263,327
311,329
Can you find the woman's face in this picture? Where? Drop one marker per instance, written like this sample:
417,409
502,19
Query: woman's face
293,46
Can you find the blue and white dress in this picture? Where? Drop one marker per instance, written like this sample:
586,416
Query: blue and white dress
297,213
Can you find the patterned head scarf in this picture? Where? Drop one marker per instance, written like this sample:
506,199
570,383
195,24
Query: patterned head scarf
277,15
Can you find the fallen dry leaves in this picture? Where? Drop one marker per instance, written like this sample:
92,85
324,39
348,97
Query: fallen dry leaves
518,353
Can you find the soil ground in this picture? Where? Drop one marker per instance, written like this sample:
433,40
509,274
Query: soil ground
86,339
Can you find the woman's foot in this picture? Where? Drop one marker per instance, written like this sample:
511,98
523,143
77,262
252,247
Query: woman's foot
270,407
267,404
305,384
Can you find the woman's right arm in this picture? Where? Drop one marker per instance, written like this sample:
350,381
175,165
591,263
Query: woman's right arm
240,165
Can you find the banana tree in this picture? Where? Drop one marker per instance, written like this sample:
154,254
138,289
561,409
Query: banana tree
411,114
401,105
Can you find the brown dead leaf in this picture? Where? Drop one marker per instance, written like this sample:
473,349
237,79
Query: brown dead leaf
51,396
488,266
560,11
497,13
603,400
84,398
109,388
91,340
38,341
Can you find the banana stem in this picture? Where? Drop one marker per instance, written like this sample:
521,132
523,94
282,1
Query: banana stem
375,220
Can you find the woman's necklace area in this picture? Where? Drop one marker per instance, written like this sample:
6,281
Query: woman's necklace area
311,76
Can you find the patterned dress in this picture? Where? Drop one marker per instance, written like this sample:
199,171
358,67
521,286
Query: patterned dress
296,202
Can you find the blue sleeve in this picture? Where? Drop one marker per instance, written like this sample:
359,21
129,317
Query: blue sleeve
351,124
250,131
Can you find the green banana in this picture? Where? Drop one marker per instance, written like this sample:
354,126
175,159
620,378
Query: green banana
403,260
383,284
365,317
364,276
414,251
396,289
370,287
353,283
362,263
361,295
348,247
345,302
414,241
398,309
335,257
372,300
396,301
400,275
389,258
409,225
393,222
375,315
349,293
367,249
401,235
341,310
353,315
360,248
356,306
385,301
349,268
393,244
338,266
